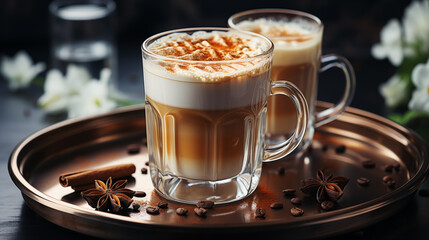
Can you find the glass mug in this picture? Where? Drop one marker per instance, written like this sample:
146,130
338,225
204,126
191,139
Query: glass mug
82,33
297,37
206,93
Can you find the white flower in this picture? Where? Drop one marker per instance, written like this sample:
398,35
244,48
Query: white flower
19,70
391,43
93,98
420,98
59,88
394,91
76,93
416,23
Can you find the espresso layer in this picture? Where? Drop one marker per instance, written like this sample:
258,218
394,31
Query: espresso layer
207,145
296,59
281,113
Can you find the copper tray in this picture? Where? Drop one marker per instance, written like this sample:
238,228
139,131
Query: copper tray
36,163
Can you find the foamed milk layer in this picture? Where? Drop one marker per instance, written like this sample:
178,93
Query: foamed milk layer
219,72
295,41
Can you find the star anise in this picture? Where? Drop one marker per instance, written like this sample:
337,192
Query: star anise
325,186
108,196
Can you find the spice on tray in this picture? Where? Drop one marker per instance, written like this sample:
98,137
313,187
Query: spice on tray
393,166
200,212
276,205
340,149
83,180
260,213
363,181
388,168
368,163
182,211
133,148
139,194
205,204
325,186
296,201
136,206
289,192
152,210
281,170
324,148
296,212
327,205
109,196
389,181
162,204
396,166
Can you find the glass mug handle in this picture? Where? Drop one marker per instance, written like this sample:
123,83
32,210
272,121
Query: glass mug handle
329,61
272,153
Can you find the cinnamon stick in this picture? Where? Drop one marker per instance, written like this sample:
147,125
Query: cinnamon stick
81,178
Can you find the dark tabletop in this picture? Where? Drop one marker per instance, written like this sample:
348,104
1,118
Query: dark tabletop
350,30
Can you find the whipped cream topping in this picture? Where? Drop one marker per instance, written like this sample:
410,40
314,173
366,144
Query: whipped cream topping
208,46
213,71
296,41
211,56
279,28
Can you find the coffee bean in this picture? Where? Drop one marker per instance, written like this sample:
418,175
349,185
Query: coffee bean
296,212
388,168
389,181
281,170
133,148
368,164
260,213
310,149
289,192
340,149
162,204
152,210
181,211
363,181
391,184
424,192
146,163
201,212
296,201
136,206
144,170
139,194
324,148
327,205
276,205
396,166
205,204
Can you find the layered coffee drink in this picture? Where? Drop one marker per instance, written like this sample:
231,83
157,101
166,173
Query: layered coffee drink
206,96
296,59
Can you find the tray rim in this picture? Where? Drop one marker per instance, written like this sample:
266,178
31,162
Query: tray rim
403,192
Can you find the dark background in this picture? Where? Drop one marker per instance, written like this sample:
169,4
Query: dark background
351,28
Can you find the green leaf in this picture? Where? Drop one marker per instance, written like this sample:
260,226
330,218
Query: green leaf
38,81
407,117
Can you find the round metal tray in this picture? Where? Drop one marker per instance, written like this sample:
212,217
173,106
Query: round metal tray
99,141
